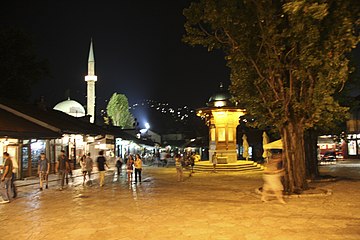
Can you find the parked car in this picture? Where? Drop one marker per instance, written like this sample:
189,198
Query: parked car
328,157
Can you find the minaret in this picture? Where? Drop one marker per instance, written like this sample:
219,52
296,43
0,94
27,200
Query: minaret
91,78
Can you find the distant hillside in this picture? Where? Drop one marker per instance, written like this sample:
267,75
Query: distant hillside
164,118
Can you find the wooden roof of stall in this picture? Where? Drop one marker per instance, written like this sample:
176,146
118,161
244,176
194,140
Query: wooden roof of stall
53,119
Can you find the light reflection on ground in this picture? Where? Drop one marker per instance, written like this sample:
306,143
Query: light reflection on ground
204,206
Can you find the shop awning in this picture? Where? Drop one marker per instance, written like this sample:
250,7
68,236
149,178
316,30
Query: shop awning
54,119
13,126
274,145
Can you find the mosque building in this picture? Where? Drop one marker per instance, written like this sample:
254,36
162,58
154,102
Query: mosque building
73,107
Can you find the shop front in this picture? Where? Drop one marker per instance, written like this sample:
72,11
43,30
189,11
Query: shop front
353,145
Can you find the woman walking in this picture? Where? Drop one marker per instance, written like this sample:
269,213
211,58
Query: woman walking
272,178
178,165
83,167
129,168
138,167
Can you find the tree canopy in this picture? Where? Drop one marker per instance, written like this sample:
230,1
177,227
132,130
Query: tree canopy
118,111
19,66
287,60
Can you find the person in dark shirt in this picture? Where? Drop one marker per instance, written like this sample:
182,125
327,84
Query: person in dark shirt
62,167
6,178
43,171
101,163
119,164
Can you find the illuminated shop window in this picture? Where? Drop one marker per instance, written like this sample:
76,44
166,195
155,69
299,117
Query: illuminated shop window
352,147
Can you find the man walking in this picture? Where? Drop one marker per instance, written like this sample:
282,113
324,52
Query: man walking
43,171
101,163
13,176
6,178
89,165
62,166
119,164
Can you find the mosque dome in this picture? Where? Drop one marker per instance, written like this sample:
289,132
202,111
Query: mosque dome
71,107
220,98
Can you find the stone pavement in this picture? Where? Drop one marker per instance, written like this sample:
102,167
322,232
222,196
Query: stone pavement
204,206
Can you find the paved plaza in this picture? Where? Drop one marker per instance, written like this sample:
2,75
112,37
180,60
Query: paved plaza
204,206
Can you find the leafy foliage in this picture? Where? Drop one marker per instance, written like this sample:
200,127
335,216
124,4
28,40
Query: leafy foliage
287,60
118,111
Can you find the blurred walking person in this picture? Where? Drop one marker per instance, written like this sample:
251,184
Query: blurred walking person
6,178
83,168
138,167
129,168
43,171
119,164
13,177
89,165
101,163
178,166
62,167
272,178
214,161
192,163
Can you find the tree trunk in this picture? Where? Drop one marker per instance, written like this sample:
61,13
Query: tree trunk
312,170
294,160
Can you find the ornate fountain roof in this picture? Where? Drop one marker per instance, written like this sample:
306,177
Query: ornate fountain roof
222,98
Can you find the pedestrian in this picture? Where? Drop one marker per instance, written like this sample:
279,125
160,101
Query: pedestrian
6,178
192,163
163,160
272,178
43,171
62,167
138,167
13,177
83,167
214,161
178,166
89,165
101,163
129,168
119,164
69,171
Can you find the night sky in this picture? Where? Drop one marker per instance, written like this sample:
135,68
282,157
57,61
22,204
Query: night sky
137,45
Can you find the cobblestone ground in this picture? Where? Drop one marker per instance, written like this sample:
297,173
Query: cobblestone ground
204,206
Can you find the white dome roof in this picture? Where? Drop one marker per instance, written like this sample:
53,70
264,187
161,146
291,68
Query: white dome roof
71,107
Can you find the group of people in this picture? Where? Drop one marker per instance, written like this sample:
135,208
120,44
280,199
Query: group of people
272,174
181,162
134,165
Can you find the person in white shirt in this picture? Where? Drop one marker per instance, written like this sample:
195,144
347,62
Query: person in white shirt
14,171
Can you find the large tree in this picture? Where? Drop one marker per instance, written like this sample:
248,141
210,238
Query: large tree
118,111
20,68
287,59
